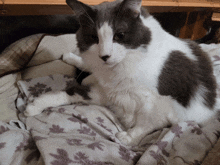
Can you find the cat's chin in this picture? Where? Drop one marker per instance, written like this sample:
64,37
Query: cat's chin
112,62
109,64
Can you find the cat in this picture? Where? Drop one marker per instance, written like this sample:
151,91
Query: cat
147,77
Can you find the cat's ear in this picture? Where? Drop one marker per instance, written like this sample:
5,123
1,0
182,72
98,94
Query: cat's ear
133,5
78,7
83,12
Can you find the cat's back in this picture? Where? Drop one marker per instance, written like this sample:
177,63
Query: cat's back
178,68
162,48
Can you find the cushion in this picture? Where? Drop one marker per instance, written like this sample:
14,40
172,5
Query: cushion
53,47
50,68
18,54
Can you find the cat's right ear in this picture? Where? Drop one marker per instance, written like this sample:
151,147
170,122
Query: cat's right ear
133,5
79,8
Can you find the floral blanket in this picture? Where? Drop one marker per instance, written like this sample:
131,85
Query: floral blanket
85,134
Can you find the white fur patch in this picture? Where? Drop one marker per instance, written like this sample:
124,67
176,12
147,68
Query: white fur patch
50,99
73,59
105,35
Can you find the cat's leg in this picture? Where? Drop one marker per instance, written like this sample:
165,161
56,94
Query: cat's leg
78,94
134,135
50,99
143,126
74,60
155,114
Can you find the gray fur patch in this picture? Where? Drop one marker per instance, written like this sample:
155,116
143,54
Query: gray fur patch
80,90
206,76
179,78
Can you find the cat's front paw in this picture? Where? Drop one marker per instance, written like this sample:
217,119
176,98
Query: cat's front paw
66,57
128,121
32,110
72,59
126,139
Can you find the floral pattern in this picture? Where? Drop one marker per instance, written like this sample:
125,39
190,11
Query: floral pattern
3,129
158,157
100,122
177,130
2,145
56,129
28,144
83,134
39,89
62,157
125,154
83,129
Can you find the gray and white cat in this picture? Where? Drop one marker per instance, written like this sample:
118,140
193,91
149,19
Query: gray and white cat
149,78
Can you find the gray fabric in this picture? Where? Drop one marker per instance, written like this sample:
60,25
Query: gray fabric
85,134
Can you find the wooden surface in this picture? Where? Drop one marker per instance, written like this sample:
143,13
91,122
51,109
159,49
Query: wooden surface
180,3
47,7
216,17
51,7
194,29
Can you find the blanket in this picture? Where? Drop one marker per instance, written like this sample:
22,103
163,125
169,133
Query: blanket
33,56
85,134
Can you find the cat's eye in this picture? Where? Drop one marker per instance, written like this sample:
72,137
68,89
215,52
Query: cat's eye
119,36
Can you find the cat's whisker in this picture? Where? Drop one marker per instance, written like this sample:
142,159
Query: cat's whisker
80,74
88,25
89,22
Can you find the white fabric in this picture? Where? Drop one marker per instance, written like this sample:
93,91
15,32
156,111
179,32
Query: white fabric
53,47
50,68
8,94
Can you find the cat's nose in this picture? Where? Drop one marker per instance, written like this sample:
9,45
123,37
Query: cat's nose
105,57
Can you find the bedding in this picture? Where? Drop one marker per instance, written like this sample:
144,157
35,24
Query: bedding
8,95
84,134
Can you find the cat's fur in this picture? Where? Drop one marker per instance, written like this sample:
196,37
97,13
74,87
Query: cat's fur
149,78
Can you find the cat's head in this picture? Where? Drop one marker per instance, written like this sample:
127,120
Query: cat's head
110,30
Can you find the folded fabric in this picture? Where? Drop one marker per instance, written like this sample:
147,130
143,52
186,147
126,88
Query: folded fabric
85,134
8,95
17,55
50,68
32,88
53,47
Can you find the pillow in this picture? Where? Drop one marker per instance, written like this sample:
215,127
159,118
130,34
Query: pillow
18,54
50,68
53,47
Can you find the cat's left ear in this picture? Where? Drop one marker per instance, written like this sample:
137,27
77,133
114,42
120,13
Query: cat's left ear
133,5
78,7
